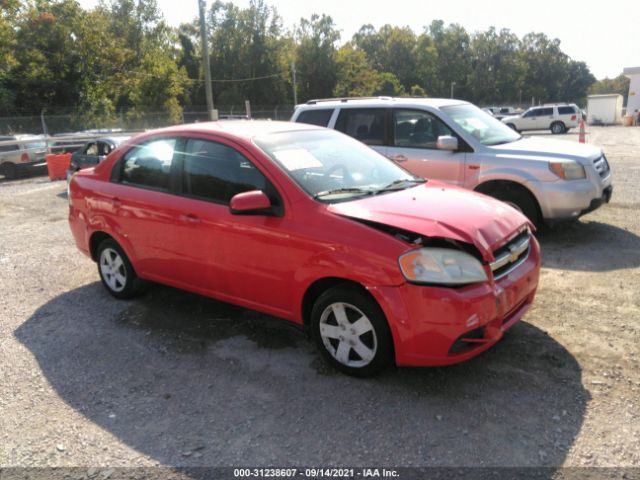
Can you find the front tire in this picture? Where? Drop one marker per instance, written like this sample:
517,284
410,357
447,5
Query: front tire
512,127
517,197
116,272
351,331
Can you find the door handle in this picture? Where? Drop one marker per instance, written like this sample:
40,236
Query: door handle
398,158
189,218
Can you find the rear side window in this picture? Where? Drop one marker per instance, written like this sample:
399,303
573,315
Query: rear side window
315,117
566,110
545,112
149,165
216,172
9,148
364,124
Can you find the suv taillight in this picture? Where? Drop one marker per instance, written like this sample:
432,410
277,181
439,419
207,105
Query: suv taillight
24,157
573,117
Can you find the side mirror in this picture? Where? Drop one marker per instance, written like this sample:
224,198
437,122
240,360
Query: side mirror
447,142
254,202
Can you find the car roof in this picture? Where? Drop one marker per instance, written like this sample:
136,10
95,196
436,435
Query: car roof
114,140
377,101
24,136
246,129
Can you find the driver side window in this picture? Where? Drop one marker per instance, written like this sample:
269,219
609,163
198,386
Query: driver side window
417,129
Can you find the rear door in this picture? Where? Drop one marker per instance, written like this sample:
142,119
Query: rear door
544,118
369,125
142,205
414,137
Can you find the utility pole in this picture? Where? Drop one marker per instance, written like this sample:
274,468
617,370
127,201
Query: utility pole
295,86
213,114
453,84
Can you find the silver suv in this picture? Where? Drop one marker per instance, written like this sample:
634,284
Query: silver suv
18,151
557,118
456,142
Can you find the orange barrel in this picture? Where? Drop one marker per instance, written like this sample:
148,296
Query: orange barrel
57,165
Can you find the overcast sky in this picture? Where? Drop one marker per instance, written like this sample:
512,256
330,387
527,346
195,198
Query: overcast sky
607,38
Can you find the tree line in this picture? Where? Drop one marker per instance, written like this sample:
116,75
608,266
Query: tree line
122,58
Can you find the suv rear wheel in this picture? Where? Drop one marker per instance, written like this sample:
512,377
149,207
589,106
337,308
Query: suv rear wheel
558,127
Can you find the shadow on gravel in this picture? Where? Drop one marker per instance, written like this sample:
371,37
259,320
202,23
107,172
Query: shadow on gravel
589,246
26,172
191,382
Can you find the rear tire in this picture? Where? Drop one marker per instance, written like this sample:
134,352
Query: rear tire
351,331
558,128
10,170
116,272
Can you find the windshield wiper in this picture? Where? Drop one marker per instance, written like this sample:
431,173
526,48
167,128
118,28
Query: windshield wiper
337,191
400,184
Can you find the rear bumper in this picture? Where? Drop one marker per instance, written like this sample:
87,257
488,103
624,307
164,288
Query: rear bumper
442,326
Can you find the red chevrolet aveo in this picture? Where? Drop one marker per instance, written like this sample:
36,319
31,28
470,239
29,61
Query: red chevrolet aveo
312,226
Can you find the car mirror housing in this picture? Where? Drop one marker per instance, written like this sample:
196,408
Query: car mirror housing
447,142
250,203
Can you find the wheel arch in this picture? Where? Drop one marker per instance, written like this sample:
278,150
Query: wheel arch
489,186
95,240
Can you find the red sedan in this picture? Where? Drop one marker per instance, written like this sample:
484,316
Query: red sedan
312,226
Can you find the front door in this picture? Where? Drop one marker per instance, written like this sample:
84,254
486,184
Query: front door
415,135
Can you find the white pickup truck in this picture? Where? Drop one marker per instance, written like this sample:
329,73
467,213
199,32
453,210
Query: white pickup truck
456,142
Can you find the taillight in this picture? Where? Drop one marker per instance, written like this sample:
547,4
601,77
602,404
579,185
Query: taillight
573,117
24,157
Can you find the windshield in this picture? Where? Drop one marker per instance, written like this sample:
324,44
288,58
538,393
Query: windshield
333,167
485,128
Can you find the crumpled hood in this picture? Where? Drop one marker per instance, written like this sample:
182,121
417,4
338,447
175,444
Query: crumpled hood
548,148
436,209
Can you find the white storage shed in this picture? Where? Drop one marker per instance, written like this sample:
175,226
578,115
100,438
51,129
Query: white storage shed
633,101
604,109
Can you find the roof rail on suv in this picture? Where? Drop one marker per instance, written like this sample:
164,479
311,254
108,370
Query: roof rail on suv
345,99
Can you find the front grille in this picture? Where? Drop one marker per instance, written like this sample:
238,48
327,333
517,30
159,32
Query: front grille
509,256
602,166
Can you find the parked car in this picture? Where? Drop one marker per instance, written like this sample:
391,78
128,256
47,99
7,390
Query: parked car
557,118
19,151
456,142
501,112
312,226
92,153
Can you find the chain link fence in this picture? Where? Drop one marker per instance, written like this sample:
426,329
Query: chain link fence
71,122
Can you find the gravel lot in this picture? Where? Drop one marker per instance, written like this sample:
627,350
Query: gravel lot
173,379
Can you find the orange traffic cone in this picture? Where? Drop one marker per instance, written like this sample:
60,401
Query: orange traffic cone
581,136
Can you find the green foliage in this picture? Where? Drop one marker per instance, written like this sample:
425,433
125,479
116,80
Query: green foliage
356,78
417,91
316,57
390,49
389,85
620,85
120,60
